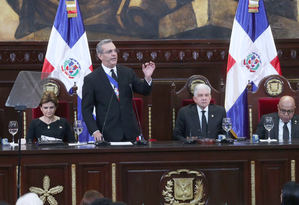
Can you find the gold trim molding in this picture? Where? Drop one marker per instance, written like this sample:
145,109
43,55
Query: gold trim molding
173,118
250,123
293,170
150,122
113,174
74,188
252,166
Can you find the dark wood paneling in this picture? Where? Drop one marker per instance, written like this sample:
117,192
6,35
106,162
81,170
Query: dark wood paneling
7,181
139,169
226,174
176,60
271,175
93,176
219,174
59,174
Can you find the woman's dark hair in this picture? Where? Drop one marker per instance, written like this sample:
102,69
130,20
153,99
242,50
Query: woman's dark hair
290,194
49,96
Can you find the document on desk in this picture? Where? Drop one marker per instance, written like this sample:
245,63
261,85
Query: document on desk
77,144
45,138
120,143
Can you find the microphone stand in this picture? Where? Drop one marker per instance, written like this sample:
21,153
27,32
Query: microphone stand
20,110
103,142
141,141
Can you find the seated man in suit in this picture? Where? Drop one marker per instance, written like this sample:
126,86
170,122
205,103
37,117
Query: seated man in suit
286,124
199,120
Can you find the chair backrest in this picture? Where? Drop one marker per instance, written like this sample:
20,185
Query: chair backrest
184,186
184,96
67,106
138,109
265,99
144,108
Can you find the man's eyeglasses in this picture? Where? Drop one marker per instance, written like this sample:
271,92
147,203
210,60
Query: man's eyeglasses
286,111
110,51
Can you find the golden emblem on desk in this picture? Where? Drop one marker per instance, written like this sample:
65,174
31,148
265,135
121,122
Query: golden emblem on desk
183,187
274,86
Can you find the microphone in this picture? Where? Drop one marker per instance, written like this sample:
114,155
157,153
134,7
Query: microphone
103,142
189,139
140,139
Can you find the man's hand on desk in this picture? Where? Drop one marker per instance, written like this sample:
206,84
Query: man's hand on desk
97,136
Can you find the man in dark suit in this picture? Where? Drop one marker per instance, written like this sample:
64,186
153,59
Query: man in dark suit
286,123
199,120
109,89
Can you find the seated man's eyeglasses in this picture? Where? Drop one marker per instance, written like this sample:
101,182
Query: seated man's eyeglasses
286,111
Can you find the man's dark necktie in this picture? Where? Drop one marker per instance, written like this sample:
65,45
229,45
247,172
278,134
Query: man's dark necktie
114,75
204,126
285,132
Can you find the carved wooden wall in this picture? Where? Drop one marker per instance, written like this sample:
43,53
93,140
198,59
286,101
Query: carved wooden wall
176,60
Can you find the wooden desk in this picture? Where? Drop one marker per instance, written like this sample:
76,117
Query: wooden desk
132,174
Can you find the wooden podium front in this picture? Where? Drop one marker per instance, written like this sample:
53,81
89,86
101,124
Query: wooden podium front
242,173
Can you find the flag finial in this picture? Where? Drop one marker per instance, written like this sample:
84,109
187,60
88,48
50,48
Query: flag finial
253,6
71,8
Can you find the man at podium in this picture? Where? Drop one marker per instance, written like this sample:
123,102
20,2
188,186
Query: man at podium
109,89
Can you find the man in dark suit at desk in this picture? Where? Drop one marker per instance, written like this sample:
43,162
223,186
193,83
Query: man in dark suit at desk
109,89
201,119
286,123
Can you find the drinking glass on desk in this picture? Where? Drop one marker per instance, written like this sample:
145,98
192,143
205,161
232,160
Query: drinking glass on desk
268,125
13,129
78,128
226,125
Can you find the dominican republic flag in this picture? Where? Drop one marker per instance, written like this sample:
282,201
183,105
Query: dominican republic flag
252,56
68,58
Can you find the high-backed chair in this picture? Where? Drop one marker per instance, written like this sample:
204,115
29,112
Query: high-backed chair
183,186
138,109
144,113
67,107
265,99
184,96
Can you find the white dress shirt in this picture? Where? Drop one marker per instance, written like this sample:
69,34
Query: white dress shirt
108,71
200,114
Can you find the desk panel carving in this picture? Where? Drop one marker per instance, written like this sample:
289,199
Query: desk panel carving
133,174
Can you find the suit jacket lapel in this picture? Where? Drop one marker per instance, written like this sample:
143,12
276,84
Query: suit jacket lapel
211,115
107,84
294,127
120,78
276,126
105,78
195,117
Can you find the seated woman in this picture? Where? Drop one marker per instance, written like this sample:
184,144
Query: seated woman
49,124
